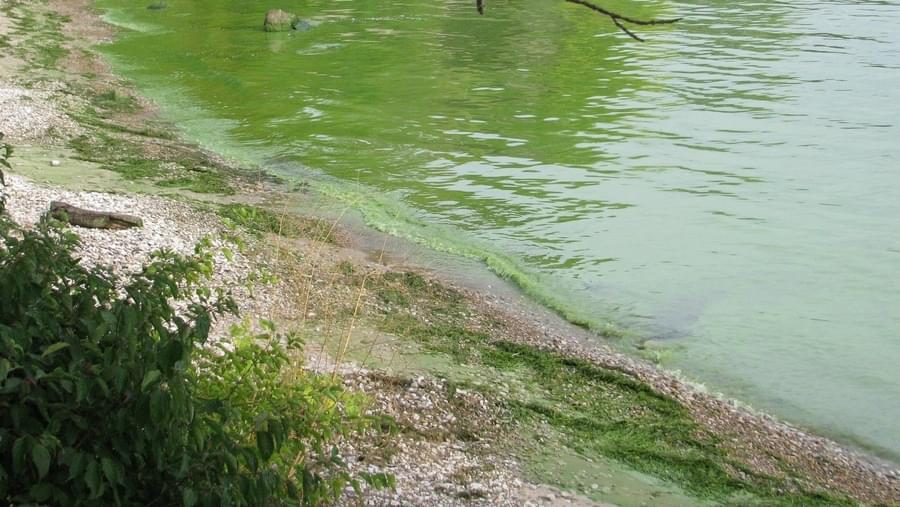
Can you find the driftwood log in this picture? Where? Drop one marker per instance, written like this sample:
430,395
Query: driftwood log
94,219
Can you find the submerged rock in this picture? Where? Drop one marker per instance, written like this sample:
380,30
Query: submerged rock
278,20
301,25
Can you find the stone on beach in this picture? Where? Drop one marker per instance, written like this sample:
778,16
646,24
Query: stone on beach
278,20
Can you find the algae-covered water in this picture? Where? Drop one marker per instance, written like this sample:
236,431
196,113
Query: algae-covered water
727,192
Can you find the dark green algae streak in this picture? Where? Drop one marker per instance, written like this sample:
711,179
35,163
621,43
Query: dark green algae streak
571,414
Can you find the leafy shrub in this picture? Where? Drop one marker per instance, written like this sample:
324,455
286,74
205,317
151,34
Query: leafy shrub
111,396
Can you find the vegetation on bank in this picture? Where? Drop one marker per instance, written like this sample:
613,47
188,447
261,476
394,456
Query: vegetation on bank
595,412
258,220
112,394
6,152
41,32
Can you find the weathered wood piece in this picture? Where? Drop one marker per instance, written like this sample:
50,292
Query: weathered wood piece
94,219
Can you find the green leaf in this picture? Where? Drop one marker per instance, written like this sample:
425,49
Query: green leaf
18,454
103,386
92,478
158,406
171,354
185,465
4,368
188,497
149,378
277,430
265,444
54,348
292,491
231,463
11,385
41,459
82,389
76,465
109,470
41,492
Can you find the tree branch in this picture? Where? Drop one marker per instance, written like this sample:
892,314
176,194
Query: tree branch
616,18
619,18
626,30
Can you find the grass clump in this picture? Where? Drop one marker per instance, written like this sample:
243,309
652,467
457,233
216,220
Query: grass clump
404,289
114,102
259,221
200,181
110,396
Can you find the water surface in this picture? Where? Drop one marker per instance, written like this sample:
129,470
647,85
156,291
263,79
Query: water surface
727,190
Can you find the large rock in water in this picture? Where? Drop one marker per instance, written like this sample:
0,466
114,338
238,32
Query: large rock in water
278,20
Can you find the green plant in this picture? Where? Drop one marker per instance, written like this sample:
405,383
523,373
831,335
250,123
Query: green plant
258,220
113,101
200,181
111,396
6,152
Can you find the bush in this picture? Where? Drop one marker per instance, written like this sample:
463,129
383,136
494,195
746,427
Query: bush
109,396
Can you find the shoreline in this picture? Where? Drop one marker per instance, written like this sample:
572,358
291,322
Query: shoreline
758,441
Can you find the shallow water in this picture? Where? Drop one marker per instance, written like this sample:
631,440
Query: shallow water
729,190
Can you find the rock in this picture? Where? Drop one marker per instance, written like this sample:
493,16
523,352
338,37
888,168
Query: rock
55,163
301,25
278,20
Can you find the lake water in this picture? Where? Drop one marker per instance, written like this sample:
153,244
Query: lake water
727,192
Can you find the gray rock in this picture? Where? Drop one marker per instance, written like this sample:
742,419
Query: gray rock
301,25
278,20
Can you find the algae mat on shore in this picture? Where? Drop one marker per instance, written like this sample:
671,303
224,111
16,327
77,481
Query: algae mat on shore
573,424
721,191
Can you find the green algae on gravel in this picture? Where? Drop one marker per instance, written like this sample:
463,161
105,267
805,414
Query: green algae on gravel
42,32
259,220
597,413
127,158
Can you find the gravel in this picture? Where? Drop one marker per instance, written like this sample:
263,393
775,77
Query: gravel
168,225
444,454
31,116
